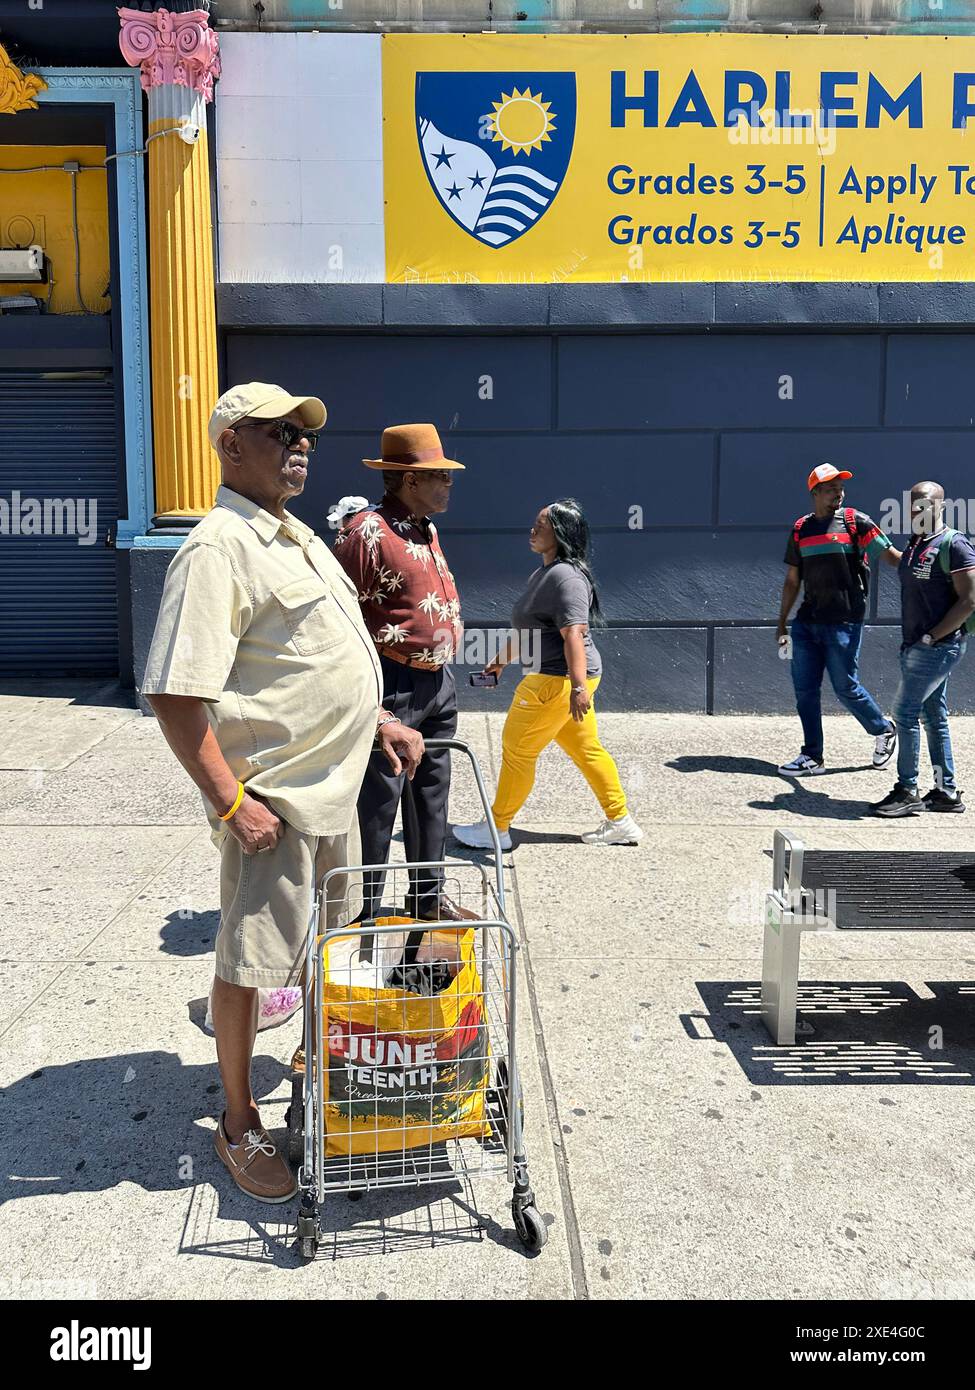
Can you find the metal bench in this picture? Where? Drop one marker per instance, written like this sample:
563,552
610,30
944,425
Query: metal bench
852,890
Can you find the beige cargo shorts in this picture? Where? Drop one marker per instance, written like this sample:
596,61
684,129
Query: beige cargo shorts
266,903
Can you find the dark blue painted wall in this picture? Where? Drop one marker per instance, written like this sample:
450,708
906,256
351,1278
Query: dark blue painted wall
697,429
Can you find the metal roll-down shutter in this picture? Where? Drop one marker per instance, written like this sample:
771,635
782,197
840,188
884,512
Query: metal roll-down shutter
59,463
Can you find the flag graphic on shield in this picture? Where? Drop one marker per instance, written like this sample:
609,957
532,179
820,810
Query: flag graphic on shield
496,146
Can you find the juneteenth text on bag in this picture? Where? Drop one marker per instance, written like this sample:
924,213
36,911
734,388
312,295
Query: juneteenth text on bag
403,1069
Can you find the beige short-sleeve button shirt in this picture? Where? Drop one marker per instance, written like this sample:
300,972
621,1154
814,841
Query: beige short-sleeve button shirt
259,620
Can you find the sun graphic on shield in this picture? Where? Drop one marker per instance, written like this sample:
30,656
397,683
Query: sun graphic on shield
521,121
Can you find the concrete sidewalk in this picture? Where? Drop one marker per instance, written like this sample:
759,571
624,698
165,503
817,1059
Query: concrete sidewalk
674,1151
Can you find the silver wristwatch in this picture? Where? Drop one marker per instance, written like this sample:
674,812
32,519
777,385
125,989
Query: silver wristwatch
927,640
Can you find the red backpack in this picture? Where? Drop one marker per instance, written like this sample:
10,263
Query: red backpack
860,563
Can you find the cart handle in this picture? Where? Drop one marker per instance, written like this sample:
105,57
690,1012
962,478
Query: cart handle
458,746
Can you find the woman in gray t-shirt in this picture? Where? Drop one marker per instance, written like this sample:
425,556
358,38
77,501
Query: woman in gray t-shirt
553,701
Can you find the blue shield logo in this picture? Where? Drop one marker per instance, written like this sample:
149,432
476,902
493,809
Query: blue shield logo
496,146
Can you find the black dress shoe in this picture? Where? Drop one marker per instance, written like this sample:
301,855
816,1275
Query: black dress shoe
446,911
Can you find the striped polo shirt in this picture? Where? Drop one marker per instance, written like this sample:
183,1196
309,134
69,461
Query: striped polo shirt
834,564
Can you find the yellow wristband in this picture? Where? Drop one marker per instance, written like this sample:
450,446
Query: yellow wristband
237,800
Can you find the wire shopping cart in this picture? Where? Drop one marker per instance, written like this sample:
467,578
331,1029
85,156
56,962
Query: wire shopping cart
410,1068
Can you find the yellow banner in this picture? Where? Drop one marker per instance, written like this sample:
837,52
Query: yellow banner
678,157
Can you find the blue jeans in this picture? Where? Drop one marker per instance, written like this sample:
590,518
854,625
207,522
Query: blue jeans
921,697
832,647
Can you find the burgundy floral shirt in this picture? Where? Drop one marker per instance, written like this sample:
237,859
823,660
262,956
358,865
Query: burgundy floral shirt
406,592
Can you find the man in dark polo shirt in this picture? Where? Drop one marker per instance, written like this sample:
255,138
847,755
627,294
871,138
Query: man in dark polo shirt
409,603
937,574
828,557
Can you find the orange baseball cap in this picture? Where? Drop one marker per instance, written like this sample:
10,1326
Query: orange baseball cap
825,473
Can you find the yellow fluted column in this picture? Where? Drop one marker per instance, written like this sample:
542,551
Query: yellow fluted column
177,55
183,323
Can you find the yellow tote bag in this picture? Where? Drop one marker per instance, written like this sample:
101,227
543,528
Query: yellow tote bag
404,1069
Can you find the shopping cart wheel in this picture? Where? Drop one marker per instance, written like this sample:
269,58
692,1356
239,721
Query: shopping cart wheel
532,1230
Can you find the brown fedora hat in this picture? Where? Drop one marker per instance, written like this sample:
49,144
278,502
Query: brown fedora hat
412,448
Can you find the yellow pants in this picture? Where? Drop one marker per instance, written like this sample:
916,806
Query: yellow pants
538,715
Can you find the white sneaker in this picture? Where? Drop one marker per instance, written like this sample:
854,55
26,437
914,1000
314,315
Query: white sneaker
624,831
884,747
802,766
478,836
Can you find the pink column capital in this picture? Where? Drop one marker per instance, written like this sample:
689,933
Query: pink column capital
179,49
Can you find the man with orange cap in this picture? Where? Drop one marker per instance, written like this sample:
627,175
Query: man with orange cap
828,557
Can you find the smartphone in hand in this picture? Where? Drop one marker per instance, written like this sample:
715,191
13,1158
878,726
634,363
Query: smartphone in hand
484,678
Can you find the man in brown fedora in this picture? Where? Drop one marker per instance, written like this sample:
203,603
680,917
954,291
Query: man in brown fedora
410,606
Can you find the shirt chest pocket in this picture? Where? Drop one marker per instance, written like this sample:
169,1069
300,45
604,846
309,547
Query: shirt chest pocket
312,617
344,579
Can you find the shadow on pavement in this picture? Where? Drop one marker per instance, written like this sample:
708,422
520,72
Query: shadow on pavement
455,850
189,933
138,1117
796,797
380,1223
800,801
752,767
852,1034
542,837
134,1117
93,691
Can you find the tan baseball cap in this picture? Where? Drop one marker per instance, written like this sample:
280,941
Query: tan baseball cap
257,400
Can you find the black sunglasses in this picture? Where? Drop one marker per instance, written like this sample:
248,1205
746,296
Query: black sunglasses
284,432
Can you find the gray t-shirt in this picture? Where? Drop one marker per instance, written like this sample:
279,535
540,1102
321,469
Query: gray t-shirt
557,596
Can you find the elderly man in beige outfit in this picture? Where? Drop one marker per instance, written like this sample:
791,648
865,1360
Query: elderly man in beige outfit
267,688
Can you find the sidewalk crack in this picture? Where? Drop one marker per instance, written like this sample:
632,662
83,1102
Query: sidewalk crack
580,1285
30,1004
141,889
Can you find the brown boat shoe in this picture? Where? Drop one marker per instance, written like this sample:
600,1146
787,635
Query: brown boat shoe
256,1166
